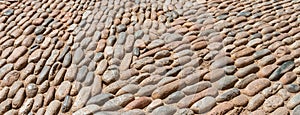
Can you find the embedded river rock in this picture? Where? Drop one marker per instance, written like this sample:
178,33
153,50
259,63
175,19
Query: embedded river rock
163,57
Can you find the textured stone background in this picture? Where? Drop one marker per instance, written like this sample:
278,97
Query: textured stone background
149,57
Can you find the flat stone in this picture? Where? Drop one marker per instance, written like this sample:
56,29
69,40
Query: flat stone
16,54
5,69
164,110
204,105
53,107
245,81
78,55
111,75
198,87
214,75
117,102
100,99
81,98
281,111
240,100
228,95
174,97
272,103
66,104
221,108
31,90
293,88
296,110
243,61
256,86
164,91
139,103
221,62
63,90
255,102
242,72
187,101
226,82
272,89
10,78
266,71
285,67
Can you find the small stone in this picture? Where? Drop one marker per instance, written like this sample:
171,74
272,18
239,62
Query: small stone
255,102
111,75
266,71
100,99
226,82
281,111
256,86
243,61
221,62
285,67
245,81
214,75
261,53
244,52
19,99
296,110
31,90
38,102
221,108
117,102
139,103
228,95
155,43
154,104
242,72
53,108
168,38
81,98
8,12
66,104
240,100
63,90
272,89
198,87
184,111
26,107
18,52
174,97
5,106
164,91
199,45
78,56
272,103
5,69
204,105
293,88
164,110
10,78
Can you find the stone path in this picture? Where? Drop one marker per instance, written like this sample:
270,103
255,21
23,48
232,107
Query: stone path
157,57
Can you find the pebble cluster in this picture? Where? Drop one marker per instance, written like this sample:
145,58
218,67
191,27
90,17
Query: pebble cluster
159,57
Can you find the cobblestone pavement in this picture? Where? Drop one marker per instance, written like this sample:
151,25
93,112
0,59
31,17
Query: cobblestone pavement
157,57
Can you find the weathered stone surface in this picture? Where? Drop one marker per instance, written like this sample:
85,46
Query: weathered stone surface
272,103
204,105
285,67
255,102
256,86
228,95
82,98
164,110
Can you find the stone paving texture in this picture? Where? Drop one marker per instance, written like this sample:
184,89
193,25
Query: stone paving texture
160,57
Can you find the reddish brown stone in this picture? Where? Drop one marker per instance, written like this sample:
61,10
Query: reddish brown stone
256,86
139,103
